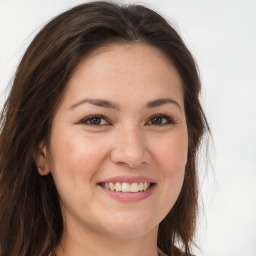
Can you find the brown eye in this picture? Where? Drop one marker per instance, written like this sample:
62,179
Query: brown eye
157,120
95,121
160,120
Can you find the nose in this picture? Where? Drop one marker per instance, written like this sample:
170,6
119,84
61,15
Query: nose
130,149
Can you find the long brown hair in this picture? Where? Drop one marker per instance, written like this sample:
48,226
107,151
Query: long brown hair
30,216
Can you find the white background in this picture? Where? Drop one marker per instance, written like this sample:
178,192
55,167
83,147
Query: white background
222,37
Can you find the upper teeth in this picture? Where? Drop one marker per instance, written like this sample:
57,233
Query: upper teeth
126,187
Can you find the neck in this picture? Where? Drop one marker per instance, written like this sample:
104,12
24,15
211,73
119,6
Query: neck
80,242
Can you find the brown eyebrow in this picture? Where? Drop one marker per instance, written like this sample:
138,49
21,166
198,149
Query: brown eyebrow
97,102
160,102
108,104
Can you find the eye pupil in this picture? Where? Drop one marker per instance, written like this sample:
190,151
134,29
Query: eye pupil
95,121
157,120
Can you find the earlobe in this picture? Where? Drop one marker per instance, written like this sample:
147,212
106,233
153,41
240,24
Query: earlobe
41,159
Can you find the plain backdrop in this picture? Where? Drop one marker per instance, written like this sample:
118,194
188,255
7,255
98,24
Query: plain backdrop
222,37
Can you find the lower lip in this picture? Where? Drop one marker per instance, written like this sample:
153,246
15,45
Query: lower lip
129,197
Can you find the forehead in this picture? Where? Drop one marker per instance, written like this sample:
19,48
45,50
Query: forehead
125,70
143,55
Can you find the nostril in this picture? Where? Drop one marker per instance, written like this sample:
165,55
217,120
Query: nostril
130,149
127,157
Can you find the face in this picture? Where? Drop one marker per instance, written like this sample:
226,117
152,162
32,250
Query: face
118,144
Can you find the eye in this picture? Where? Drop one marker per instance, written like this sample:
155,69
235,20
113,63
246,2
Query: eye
160,120
95,120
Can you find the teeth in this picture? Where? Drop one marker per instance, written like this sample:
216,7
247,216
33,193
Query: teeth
134,187
146,186
127,187
118,187
111,186
141,186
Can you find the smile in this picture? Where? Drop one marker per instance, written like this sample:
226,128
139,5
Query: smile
126,187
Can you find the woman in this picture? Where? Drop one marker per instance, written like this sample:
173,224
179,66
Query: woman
99,138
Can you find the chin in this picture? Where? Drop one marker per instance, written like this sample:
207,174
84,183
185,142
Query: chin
131,226
131,232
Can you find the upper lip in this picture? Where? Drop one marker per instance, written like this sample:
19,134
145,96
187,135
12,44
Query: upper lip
128,179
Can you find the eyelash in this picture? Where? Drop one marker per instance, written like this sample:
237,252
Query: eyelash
91,118
94,117
169,120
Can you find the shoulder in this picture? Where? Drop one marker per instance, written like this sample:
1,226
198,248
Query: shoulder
177,252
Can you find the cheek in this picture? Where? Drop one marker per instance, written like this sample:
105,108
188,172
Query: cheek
75,159
74,148
173,168
172,158
75,162
172,154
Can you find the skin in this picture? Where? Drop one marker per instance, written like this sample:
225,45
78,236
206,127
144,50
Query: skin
128,141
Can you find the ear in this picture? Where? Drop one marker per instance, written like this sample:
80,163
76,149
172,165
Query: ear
41,159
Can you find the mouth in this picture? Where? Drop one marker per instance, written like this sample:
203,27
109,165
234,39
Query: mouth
127,187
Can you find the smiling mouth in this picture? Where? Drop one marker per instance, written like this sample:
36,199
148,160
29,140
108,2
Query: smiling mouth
126,187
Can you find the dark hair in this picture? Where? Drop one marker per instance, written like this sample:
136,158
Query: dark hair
30,215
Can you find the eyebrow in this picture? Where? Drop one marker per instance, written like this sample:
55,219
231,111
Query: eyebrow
108,104
160,102
97,102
